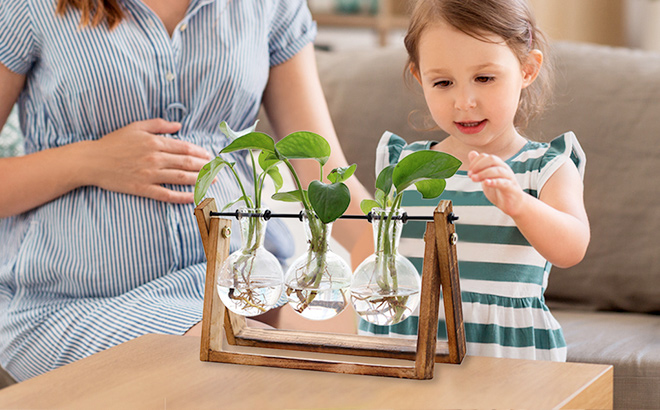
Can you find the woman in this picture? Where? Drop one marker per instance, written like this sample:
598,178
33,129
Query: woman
120,102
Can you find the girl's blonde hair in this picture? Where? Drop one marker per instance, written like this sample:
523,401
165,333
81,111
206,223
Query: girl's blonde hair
94,12
512,20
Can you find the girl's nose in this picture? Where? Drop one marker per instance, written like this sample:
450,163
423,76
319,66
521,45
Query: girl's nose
464,100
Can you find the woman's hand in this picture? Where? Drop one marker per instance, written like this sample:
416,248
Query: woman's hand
137,159
497,180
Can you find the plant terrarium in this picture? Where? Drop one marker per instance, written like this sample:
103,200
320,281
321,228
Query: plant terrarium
385,287
317,283
249,281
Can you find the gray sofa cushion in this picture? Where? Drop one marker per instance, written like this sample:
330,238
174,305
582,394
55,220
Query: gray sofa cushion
629,341
611,98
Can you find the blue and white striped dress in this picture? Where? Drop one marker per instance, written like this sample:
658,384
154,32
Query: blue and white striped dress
503,277
94,268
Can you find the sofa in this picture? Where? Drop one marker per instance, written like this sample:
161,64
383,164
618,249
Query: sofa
609,304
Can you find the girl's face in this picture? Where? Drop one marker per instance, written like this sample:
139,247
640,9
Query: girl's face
472,87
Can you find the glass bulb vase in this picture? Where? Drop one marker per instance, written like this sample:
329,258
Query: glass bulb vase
317,283
250,281
385,287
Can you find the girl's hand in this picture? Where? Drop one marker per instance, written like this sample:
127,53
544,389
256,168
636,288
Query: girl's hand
137,159
497,180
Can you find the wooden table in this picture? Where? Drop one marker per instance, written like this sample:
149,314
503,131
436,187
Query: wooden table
164,372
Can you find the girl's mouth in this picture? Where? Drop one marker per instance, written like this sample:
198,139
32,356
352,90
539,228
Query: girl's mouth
470,127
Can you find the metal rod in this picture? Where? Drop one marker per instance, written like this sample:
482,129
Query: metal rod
369,217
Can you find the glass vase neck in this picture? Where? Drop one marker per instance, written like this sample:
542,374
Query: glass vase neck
386,225
253,228
314,228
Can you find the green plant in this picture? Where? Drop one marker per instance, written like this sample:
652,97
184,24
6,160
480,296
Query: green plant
325,201
241,291
427,171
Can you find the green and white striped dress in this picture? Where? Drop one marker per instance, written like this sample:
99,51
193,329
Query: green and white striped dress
503,277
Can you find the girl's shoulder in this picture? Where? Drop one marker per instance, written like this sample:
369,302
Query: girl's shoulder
544,158
391,148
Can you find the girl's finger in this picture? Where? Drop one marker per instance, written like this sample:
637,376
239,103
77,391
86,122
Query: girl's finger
480,162
489,172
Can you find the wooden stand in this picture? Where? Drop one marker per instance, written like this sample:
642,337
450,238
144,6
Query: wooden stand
226,338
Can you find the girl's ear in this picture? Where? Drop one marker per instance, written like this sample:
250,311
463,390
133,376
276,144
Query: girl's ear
532,67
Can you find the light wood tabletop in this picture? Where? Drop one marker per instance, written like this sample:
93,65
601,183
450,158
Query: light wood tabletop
164,372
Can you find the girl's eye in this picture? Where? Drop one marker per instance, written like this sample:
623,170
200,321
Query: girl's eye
442,83
484,79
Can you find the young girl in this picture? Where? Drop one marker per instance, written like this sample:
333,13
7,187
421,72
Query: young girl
520,204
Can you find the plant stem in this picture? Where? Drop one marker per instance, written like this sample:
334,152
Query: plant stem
246,198
257,196
306,205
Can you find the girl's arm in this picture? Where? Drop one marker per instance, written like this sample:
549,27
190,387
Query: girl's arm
133,160
294,101
556,224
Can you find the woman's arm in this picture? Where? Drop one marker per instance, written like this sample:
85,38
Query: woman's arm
294,101
135,159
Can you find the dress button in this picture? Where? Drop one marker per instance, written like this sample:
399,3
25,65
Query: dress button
183,27
169,76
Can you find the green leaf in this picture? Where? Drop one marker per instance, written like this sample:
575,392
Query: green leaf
381,198
329,201
304,144
274,174
368,204
268,163
341,174
206,175
253,140
267,159
420,165
290,196
231,134
384,180
245,199
431,188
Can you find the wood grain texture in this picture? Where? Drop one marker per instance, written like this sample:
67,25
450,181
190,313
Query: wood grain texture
214,311
164,372
427,332
451,289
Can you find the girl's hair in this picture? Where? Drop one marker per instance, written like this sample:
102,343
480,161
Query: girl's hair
94,12
512,20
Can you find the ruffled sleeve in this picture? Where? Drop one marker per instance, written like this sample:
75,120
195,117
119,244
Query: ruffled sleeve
564,147
391,148
388,150
17,39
